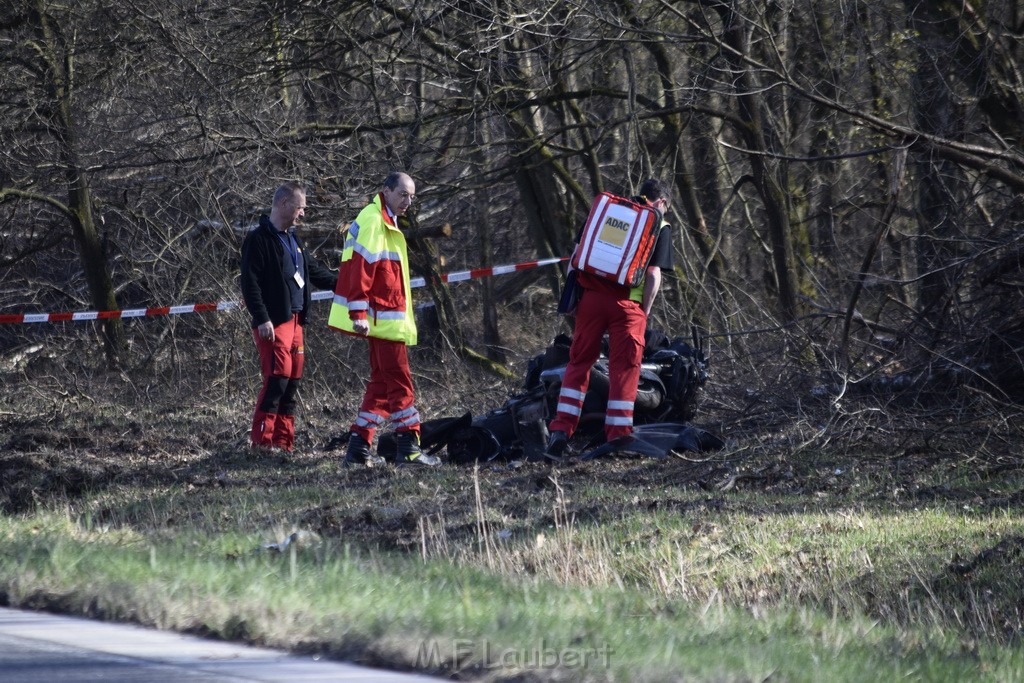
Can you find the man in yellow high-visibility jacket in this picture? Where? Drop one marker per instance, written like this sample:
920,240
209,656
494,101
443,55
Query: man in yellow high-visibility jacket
373,299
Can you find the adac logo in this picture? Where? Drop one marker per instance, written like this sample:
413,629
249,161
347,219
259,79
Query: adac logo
618,224
613,232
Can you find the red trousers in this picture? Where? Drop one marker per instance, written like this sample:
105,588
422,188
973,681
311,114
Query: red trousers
281,360
389,393
624,320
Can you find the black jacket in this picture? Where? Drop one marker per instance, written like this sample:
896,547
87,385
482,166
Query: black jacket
264,287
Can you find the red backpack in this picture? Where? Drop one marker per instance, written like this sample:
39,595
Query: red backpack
617,240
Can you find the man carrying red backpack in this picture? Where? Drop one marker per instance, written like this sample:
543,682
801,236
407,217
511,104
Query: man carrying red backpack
620,310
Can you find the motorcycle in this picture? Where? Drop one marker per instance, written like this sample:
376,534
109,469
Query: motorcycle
672,374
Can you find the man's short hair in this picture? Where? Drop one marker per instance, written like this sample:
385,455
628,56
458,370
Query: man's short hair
287,191
391,182
654,189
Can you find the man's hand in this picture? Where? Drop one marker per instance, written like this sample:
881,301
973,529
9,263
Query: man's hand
361,327
266,330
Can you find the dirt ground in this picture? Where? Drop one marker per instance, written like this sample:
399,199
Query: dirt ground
777,459
884,460
66,434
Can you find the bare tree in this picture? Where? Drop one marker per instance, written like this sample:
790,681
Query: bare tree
776,122
55,72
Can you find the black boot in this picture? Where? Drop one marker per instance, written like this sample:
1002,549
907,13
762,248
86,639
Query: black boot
409,452
556,445
359,453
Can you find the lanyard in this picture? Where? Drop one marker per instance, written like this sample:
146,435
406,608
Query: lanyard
291,246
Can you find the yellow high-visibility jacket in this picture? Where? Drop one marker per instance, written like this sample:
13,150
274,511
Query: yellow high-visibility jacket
373,278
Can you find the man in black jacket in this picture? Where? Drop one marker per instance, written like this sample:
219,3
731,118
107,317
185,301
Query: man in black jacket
276,275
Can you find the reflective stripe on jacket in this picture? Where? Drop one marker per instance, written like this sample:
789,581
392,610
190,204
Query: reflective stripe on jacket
373,279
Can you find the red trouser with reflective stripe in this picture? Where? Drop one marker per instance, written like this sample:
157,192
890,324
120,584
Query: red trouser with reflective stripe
389,393
281,360
625,322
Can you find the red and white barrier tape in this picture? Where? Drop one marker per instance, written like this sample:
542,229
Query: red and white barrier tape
460,275
457,276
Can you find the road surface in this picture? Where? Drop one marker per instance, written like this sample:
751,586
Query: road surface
43,648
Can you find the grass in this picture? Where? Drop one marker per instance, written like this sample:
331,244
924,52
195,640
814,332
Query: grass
878,549
598,571
387,608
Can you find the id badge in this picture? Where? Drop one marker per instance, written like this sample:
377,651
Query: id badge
298,280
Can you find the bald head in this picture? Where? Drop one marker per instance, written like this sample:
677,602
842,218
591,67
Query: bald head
399,192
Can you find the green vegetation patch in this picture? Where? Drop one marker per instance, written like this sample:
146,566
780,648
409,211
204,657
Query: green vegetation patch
466,580
397,610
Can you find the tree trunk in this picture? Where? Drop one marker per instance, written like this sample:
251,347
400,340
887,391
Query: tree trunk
80,203
938,195
492,336
423,259
770,177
